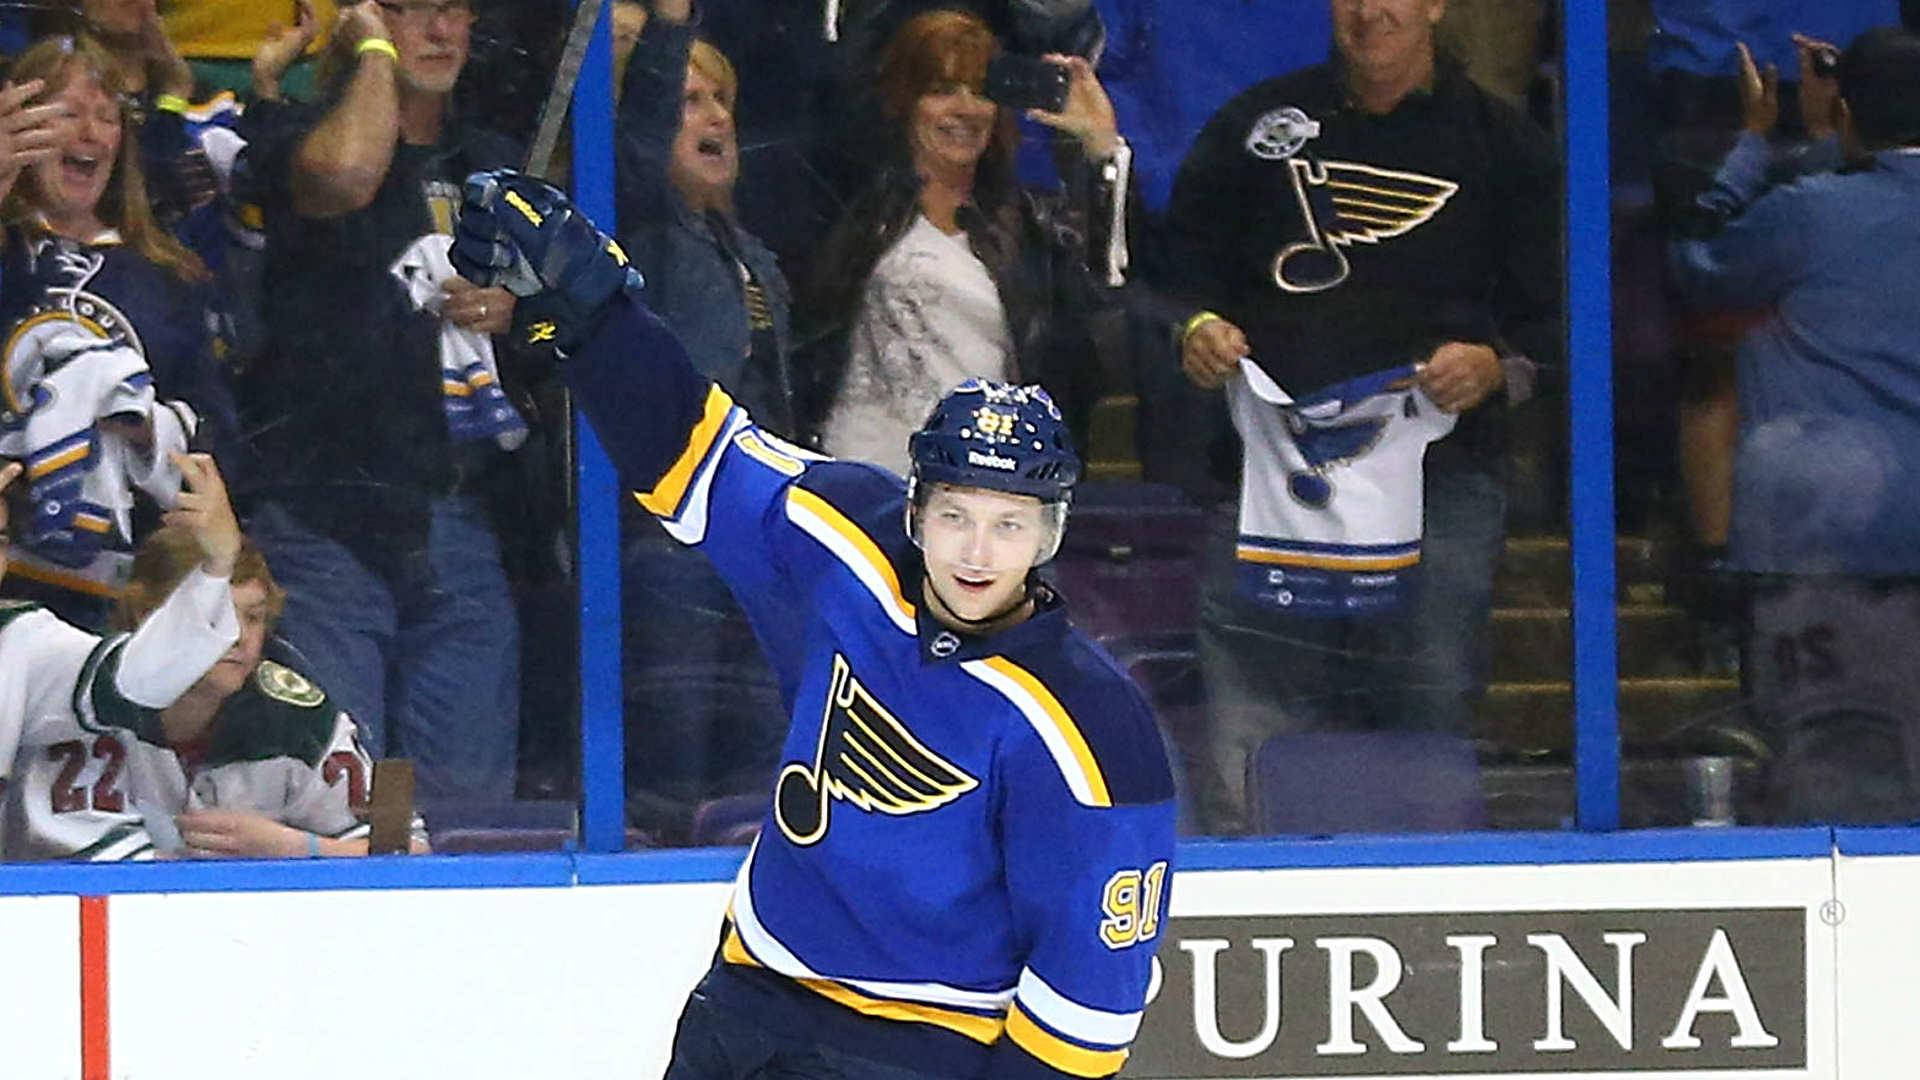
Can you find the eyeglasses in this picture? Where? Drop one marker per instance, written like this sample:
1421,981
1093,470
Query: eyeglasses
421,12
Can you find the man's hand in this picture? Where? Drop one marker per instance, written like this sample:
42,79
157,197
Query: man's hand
358,22
231,834
1459,375
1088,113
523,235
483,311
1759,94
281,47
1211,353
204,510
9,473
1819,93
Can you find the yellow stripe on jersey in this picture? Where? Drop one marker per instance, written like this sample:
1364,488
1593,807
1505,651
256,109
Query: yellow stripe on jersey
455,389
92,523
665,498
15,405
1327,562
73,582
766,455
860,546
76,452
981,1029
1057,1052
734,951
1047,709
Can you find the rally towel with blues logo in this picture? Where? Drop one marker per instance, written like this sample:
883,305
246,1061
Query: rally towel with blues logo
1330,498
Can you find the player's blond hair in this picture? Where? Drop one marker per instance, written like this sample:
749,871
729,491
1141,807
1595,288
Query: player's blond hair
167,557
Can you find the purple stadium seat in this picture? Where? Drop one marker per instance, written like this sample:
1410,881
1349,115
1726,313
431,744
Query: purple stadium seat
1365,781
1129,566
1167,670
729,821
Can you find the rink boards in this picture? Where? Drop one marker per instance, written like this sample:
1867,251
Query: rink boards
1747,953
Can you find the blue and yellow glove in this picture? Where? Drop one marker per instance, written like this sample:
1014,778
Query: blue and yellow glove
525,236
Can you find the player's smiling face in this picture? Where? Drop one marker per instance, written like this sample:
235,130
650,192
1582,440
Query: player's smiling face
978,546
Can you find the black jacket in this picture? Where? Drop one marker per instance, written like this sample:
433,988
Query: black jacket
1039,248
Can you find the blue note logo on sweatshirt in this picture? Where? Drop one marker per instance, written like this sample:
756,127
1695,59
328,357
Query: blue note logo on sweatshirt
866,757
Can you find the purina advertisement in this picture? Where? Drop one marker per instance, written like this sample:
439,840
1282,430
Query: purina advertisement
1537,992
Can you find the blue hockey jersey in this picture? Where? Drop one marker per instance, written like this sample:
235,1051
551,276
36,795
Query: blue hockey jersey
966,863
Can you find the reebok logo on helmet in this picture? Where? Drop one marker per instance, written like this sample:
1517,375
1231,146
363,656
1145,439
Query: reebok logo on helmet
991,461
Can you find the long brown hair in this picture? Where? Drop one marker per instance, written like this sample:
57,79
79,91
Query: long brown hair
58,61
936,48
928,51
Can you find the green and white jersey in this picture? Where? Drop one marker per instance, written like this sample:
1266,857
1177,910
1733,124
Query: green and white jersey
43,660
278,747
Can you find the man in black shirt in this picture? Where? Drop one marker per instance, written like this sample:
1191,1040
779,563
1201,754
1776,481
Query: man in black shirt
1374,213
379,413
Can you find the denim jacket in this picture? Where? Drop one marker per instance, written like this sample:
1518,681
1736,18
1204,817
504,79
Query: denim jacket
1829,449
692,281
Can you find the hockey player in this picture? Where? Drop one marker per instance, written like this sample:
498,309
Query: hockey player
41,658
964,869
254,759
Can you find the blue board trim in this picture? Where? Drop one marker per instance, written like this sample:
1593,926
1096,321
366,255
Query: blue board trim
720,864
289,875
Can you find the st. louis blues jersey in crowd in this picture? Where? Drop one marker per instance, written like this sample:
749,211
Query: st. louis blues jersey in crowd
966,865
1331,495
97,331
42,659
104,786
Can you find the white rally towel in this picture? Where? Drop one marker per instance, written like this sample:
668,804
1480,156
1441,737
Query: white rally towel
476,407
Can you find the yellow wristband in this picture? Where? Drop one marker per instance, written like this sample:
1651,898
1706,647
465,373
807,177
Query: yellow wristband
1195,323
377,45
172,103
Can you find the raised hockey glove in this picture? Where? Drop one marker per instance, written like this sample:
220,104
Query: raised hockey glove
525,236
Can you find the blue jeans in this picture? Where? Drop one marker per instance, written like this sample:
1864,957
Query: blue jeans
1269,671
704,716
428,662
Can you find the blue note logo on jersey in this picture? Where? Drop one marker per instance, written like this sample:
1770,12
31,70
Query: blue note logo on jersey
1344,203
865,757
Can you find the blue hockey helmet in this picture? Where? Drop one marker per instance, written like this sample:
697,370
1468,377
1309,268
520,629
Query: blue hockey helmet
997,436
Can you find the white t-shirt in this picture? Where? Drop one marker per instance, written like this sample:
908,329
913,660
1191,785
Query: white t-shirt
931,319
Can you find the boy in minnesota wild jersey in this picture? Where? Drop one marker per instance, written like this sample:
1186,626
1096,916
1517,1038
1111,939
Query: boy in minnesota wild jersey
964,868
42,658
251,760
